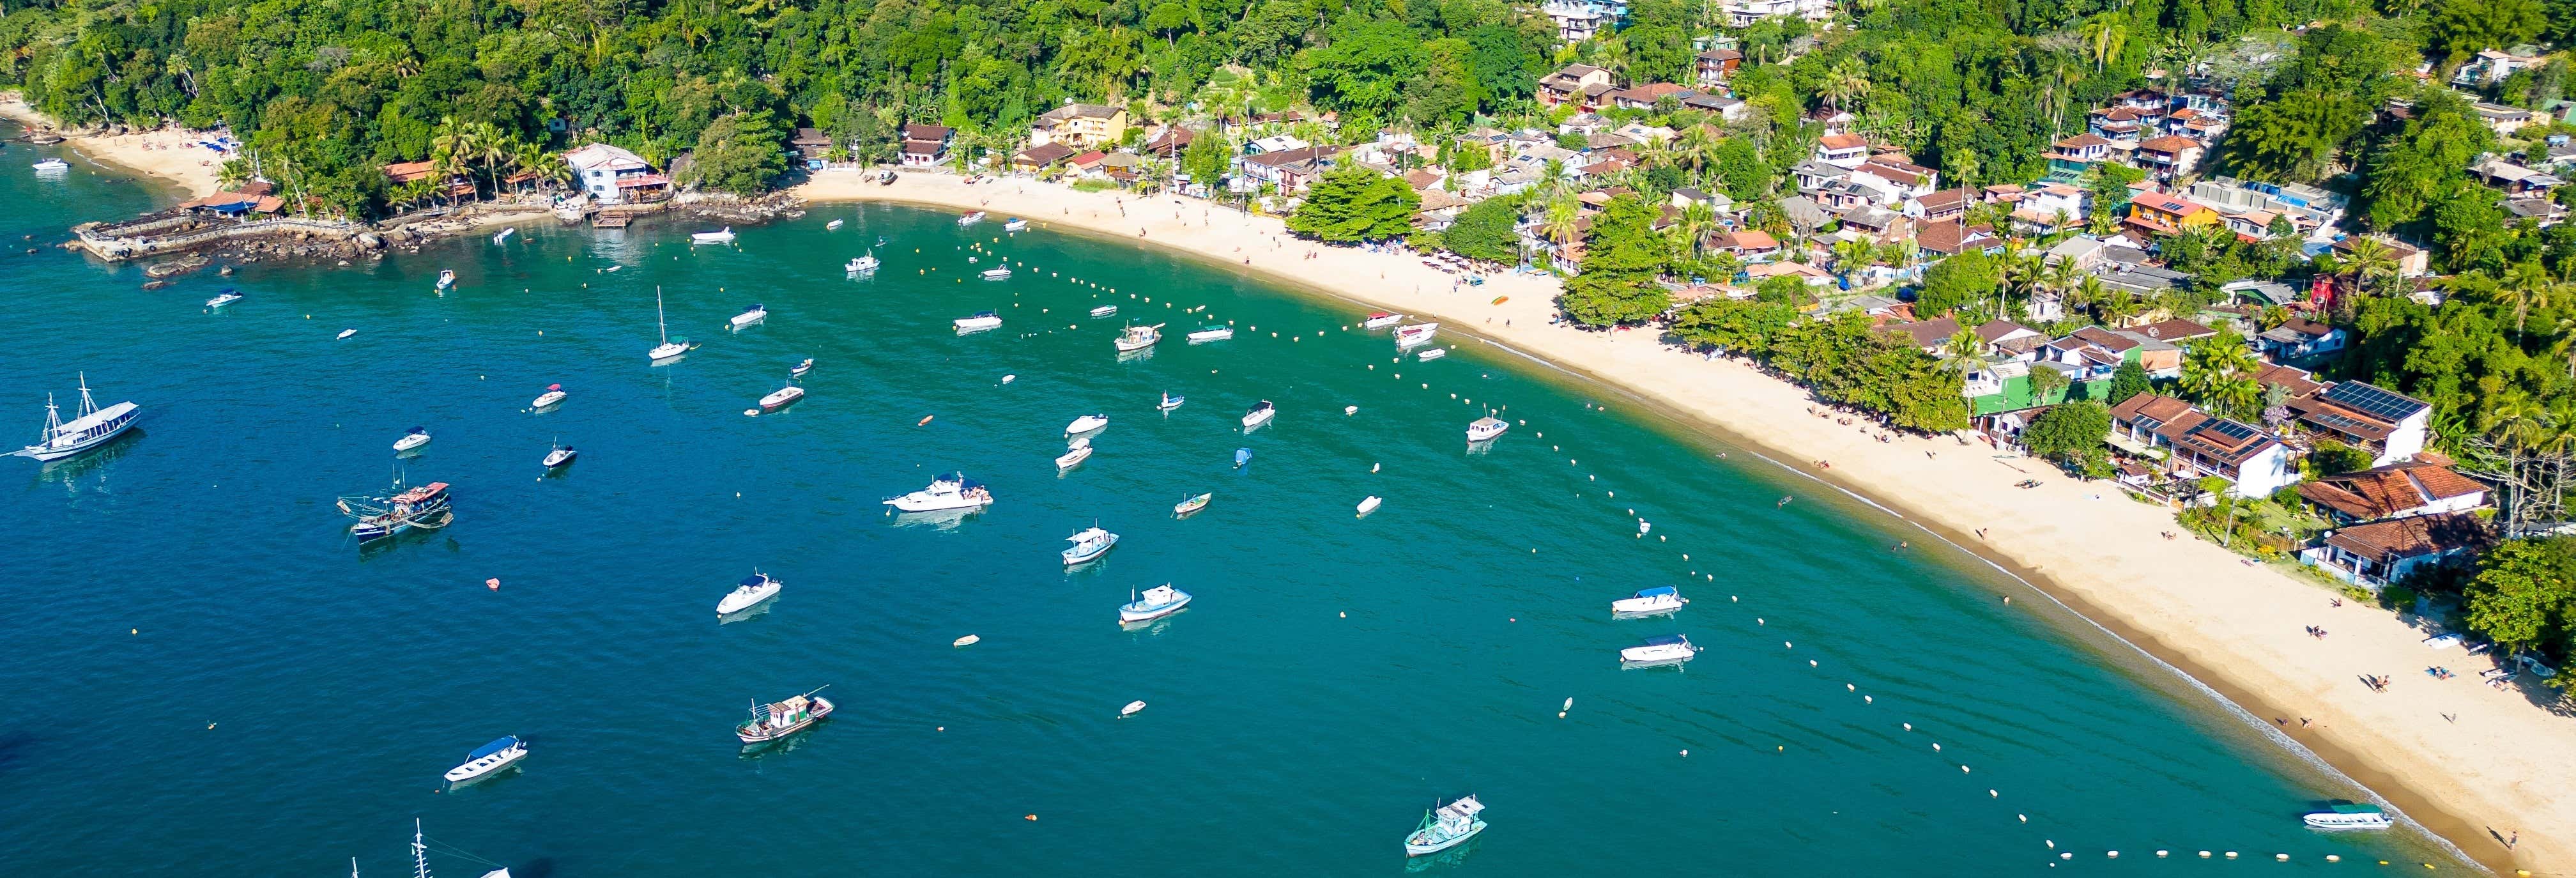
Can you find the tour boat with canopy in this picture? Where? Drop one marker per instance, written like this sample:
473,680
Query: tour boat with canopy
1664,599
1153,603
753,589
489,758
770,722
1137,338
2349,817
424,507
1015,224
1446,827
92,428
1486,427
949,491
1088,543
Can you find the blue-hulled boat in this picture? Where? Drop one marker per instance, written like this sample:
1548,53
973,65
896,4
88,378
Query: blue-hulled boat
1153,603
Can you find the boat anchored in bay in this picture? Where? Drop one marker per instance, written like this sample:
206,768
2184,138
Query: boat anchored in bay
1671,649
92,428
1153,603
669,349
753,589
2340,817
1260,413
1649,602
1137,338
488,759
951,491
1446,827
424,507
770,722
1088,544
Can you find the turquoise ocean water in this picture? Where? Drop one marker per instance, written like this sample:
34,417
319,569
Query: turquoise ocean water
204,676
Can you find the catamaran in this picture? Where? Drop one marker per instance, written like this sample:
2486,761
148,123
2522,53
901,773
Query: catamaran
489,758
2349,817
1650,601
754,588
424,507
1137,338
1153,603
93,428
770,722
1088,543
668,348
1486,427
751,315
949,491
1446,827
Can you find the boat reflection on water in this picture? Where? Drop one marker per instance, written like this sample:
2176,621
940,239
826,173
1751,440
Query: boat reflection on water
1138,355
1443,860
70,469
1482,447
944,519
373,549
747,614
1153,627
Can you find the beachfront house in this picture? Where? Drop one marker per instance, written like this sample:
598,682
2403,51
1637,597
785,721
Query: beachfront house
455,186
2196,444
610,175
1081,126
2399,490
1040,157
926,146
2391,426
2377,554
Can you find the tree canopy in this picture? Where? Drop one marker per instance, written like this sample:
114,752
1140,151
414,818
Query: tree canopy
1350,204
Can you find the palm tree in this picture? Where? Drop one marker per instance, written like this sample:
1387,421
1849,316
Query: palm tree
1852,256
233,174
1697,221
1846,82
2104,36
2525,285
1696,148
1561,222
2219,372
2086,292
2369,260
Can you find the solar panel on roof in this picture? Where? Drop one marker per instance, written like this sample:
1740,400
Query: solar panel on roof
2234,431
2372,401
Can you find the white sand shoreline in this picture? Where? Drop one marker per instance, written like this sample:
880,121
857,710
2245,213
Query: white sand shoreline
163,155
2499,769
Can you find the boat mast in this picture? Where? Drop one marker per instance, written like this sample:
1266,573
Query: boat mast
88,406
53,418
419,852
658,319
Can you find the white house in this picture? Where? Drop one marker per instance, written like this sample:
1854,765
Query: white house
610,175
2389,425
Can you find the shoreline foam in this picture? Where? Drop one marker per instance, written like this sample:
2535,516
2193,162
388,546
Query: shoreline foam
2233,630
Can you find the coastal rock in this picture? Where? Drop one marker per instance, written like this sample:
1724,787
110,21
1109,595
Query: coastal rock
369,241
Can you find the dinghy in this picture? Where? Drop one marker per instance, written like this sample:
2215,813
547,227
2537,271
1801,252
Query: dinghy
1153,603
1241,456
968,640
1131,708
345,333
489,758
1433,354
751,591
799,370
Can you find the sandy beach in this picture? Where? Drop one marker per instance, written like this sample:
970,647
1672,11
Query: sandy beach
2476,765
167,154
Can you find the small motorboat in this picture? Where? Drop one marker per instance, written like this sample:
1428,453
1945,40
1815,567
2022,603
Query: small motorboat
1666,650
554,394
489,758
1170,402
982,320
1211,333
1015,224
863,264
749,316
1074,456
723,236
1446,827
971,218
561,455
1153,603
1260,413
1132,708
1088,544
968,640
2349,817
949,491
770,722
418,437
781,398
1104,311
834,225
1192,504
345,333
1370,504
1485,428
1350,410
1137,338
1086,424
751,591
1241,457
504,234
1003,273
227,297
799,370
1408,336
1381,320
1433,354
48,165
1665,599
446,278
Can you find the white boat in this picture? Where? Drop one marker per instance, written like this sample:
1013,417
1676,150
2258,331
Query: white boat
1089,543
2349,817
1104,310
1153,603
1015,224
1446,827
982,320
753,589
1433,354
1370,504
1073,457
1086,424
1192,504
1665,599
52,165
562,455
1408,336
418,437
1260,413
833,225
446,278
968,640
1381,320
1137,338
1003,273
91,429
724,236
489,758
1211,333
949,491
1486,427
971,218
1665,650
781,398
1132,708
554,394
504,234
1170,402
420,858
345,333
863,264
754,314
799,370
668,348
221,299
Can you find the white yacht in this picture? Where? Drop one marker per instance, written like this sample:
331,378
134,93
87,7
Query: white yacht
1003,273
1486,427
1073,456
489,758
1408,336
1665,599
863,264
418,437
724,236
949,491
971,218
1153,603
562,455
1432,354
1260,413
91,429
1446,827
668,348
1015,224
1381,320
754,314
226,297
1089,543
446,278
1670,649
504,234
1086,424
2349,817
49,165
982,320
753,589
1216,332
554,394
1104,311
781,398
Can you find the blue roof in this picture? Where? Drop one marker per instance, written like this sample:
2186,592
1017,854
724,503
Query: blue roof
499,744
1652,592
1666,640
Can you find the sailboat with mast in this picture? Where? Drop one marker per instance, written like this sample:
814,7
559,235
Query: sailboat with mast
420,857
94,427
668,349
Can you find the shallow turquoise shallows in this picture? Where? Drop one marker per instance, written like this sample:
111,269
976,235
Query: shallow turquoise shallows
287,699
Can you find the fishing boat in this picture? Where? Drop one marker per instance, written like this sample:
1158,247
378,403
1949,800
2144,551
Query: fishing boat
1074,456
562,455
799,370
834,225
1486,427
1086,424
1666,650
1003,273
1665,599
446,278
489,758
1242,456
1104,311
863,264
1015,224
982,320
723,236
1192,504
752,590
1260,413
668,348
1214,332
504,234
49,165
1408,336
2349,817
1088,543
770,722
950,491
424,507
345,333
1153,603
1370,504
227,297
1433,354
971,218
754,314
418,437
92,428
1170,402
1446,827
781,398
554,394
1381,320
